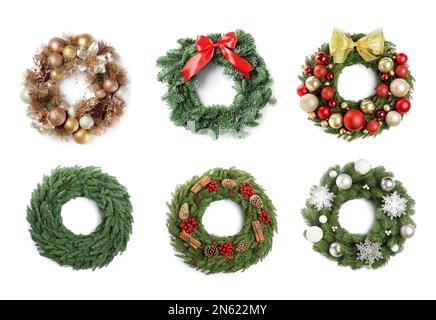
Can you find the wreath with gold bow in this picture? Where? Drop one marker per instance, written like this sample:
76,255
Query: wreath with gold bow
236,53
369,116
61,58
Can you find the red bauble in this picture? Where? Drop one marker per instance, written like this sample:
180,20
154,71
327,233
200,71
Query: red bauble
330,76
321,58
354,120
372,126
302,90
381,114
401,58
402,105
385,77
382,90
308,70
320,71
402,71
327,93
323,112
332,103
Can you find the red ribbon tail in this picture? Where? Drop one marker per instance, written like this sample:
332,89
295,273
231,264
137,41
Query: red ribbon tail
196,63
240,64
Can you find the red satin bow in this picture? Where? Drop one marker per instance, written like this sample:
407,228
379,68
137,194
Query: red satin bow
206,49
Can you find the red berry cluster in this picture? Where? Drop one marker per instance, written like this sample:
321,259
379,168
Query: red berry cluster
189,225
264,217
226,249
247,190
213,186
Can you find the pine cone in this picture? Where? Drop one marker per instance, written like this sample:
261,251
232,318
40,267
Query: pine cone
256,201
242,247
211,251
229,183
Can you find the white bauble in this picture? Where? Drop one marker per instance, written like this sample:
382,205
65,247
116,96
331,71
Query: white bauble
393,118
362,166
309,102
71,111
333,174
399,88
323,219
314,234
86,122
395,248
344,181
123,92
24,95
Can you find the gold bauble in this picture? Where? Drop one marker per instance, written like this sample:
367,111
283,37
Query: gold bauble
55,75
335,120
393,118
399,88
56,116
365,131
311,115
386,65
110,85
392,73
387,108
344,105
324,123
367,106
81,136
55,60
343,131
313,83
69,52
84,40
71,125
326,84
309,102
56,45
329,66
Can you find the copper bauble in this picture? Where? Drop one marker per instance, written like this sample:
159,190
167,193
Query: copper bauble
367,106
81,136
335,120
71,125
100,93
110,85
56,116
55,60
56,45
55,75
69,52
84,40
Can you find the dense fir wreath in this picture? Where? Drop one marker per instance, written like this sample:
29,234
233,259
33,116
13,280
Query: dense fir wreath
58,60
394,209
236,53
56,242
371,115
210,253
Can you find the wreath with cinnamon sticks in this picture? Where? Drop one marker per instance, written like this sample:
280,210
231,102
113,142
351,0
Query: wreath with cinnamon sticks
210,253
60,59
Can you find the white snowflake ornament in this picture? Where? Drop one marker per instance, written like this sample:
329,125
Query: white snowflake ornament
321,197
369,252
394,206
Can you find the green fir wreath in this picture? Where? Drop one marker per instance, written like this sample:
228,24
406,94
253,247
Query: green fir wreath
210,253
252,84
56,242
394,209
349,120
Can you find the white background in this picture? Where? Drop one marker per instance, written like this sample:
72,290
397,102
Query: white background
150,156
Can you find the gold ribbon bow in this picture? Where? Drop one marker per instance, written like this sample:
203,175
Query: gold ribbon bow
369,46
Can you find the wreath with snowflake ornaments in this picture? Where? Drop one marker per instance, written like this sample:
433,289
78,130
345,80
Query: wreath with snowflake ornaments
236,53
210,253
393,225
60,59
354,119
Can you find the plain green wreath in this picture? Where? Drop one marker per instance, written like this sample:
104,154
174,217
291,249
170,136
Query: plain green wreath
210,253
56,242
186,108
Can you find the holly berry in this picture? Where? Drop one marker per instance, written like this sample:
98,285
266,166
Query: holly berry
401,58
302,90
189,225
321,58
323,112
308,70
381,114
247,190
327,93
226,249
213,186
385,77
402,105
382,90
332,103
264,217
402,71
354,120
372,126
320,71
330,76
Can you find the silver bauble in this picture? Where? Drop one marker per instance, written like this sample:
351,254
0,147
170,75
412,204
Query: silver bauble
407,231
314,234
344,181
24,95
387,184
71,111
309,102
86,121
393,118
335,250
399,88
